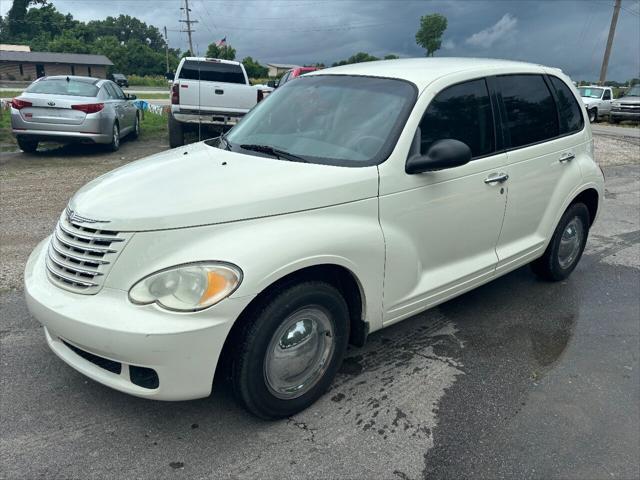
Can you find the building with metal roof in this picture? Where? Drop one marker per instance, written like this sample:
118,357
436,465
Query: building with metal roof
23,65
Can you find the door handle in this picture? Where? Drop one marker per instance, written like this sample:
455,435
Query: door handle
496,178
219,92
567,157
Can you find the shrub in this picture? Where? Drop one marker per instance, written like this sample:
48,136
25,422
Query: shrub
148,81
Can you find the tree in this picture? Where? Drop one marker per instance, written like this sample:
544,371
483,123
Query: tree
254,69
391,56
16,23
225,52
429,34
357,58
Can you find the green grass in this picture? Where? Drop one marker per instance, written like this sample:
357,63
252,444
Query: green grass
147,81
153,125
151,95
10,93
5,128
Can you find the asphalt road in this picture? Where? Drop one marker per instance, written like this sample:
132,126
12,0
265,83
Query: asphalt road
517,379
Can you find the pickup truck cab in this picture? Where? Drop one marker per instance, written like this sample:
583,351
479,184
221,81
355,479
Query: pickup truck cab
209,92
597,101
349,200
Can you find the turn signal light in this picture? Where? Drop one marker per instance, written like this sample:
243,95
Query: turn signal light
20,104
89,107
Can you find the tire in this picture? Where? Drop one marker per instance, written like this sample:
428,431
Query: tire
593,115
176,133
564,250
115,138
27,146
261,362
135,133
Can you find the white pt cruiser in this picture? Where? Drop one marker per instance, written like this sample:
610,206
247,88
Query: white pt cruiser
352,198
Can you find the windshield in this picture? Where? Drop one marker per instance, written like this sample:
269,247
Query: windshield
588,92
64,87
633,91
332,119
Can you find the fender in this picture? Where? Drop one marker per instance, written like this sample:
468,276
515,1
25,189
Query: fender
267,249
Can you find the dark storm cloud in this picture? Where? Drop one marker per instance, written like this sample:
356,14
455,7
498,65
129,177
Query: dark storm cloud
567,34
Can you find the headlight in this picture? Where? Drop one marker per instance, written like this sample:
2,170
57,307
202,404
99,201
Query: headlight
188,287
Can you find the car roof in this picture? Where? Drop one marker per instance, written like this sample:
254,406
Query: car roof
423,71
208,59
77,78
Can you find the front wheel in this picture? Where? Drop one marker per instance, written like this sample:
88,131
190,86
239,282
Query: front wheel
593,115
567,244
135,133
291,349
27,146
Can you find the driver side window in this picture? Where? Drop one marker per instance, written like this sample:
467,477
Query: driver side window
461,112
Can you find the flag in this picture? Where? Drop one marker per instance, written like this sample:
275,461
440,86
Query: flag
222,43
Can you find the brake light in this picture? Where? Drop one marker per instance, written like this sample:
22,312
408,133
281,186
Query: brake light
20,104
88,107
260,95
175,94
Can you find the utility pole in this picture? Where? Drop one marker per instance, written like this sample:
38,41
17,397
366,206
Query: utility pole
188,21
166,47
607,51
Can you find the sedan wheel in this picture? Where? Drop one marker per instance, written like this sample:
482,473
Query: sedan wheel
136,128
115,138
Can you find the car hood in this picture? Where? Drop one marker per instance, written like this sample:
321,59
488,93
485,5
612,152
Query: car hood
203,185
628,100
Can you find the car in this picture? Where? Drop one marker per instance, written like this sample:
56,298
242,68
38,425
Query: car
120,79
597,100
627,107
351,199
72,109
209,92
295,73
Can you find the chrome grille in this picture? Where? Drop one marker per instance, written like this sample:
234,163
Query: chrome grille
79,257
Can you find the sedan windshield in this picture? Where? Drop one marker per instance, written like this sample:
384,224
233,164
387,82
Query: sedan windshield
332,119
63,86
587,92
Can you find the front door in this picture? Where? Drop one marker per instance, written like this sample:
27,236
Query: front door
39,70
441,227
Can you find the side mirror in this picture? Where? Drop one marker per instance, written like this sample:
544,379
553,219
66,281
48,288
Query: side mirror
446,153
129,96
169,75
271,83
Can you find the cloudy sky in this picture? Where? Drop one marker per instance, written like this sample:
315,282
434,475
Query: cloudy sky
567,34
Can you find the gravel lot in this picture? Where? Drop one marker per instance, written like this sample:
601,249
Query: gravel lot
516,379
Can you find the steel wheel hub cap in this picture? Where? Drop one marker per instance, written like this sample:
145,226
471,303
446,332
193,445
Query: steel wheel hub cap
570,242
299,353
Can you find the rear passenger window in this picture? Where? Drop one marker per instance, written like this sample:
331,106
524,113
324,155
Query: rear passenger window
212,72
462,112
570,113
531,111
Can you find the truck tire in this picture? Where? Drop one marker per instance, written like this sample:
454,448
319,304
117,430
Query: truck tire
176,133
593,115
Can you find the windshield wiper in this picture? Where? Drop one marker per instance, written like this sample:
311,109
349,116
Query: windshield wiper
274,152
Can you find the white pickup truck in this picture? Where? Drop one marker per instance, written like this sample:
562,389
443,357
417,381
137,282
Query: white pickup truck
597,101
209,92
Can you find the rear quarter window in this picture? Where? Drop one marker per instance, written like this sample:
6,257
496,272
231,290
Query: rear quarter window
531,115
212,72
570,112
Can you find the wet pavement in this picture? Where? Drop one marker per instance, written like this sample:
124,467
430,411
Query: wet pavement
517,379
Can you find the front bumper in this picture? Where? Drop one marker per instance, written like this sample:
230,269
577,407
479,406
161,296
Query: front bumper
625,114
181,348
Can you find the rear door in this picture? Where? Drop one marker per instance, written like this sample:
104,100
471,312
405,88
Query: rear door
127,108
544,131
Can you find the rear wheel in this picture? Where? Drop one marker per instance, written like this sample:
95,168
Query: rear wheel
593,115
176,132
115,138
135,133
567,244
28,146
291,349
